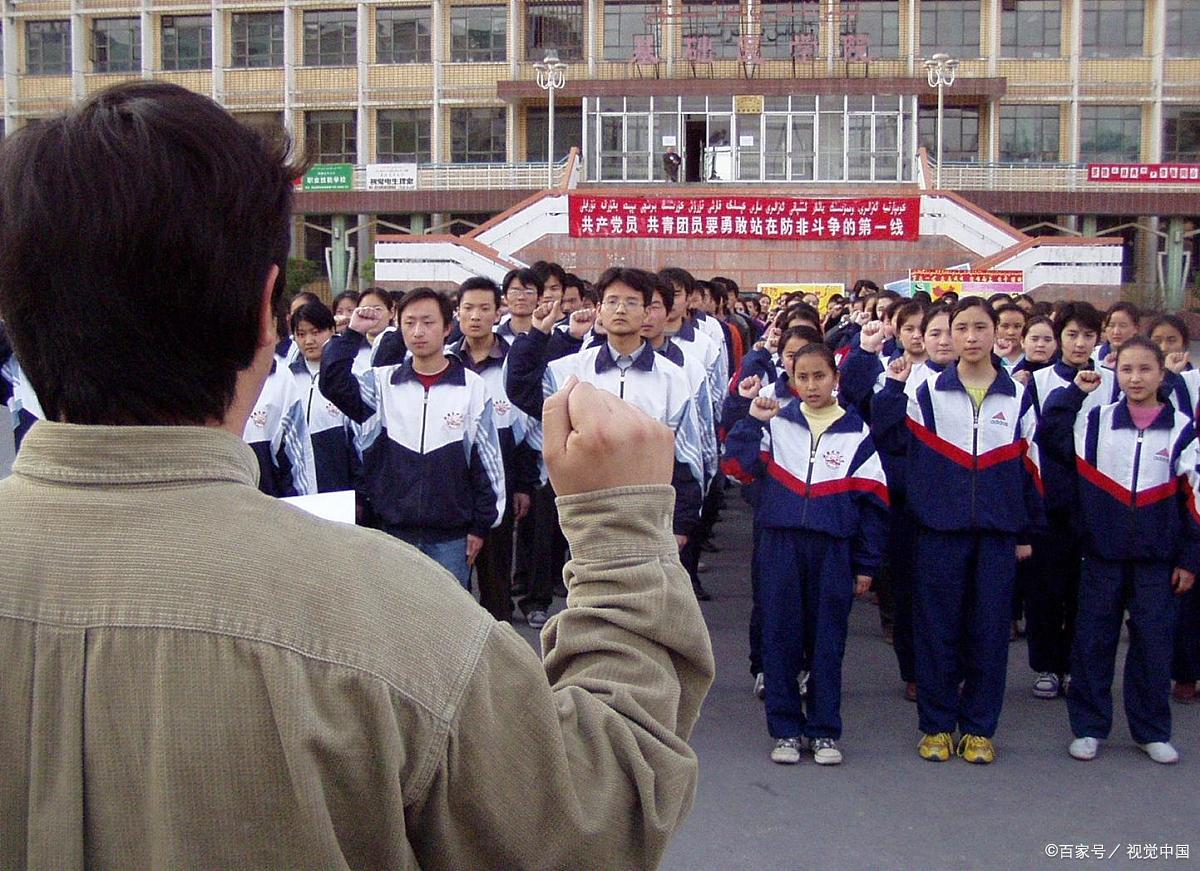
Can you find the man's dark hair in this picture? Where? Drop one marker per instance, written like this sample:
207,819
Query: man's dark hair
548,270
573,280
1083,313
419,293
676,275
316,313
715,292
731,286
1009,307
479,282
527,277
639,280
665,289
151,207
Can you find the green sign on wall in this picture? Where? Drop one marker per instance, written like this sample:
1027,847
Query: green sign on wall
329,177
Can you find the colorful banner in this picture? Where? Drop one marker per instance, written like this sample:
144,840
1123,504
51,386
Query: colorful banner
938,282
1170,173
328,177
824,291
739,217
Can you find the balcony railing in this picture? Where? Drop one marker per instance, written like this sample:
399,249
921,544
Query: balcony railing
486,176
1038,177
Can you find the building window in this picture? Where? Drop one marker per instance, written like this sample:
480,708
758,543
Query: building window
116,45
879,21
186,42
1183,28
478,34
1181,134
1113,28
48,48
625,21
330,137
713,29
402,35
950,26
1031,28
568,132
331,38
403,136
557,26
478,136
960,133
781,22
1029,134
257,40
1110,134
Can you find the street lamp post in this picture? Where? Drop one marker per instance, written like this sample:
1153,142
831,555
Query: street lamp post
940,70
551,76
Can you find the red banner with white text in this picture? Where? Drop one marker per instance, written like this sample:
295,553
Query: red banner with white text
595,216
1169,173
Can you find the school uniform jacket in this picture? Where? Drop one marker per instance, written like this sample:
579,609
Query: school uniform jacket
278,434
701,401
712,328
22,402
431,458
331,433
704,348
1137,488
661,389
834,486
970,470
889,424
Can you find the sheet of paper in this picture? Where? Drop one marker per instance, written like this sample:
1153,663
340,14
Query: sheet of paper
337,506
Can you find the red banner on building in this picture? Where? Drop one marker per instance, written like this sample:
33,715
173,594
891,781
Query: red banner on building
595,216
1171,173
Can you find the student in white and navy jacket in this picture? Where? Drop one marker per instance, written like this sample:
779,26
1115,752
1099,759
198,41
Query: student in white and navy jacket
430,452
974,489
278,434
331,432
16,393
484,351
1135,467
822,519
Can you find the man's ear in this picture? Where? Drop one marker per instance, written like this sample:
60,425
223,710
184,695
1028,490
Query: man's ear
267,334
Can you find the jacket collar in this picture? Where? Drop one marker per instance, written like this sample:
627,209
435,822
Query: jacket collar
793,411
641,360
1002,384
671,351
686,332
495,356
1122,419
299,366
455,374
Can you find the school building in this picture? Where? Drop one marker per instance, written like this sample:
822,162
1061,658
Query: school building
1063,130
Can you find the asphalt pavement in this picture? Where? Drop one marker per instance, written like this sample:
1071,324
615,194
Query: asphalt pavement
886,808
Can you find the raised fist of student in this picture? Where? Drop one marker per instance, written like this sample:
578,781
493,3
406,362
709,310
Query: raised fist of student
593,441
860,318
899,369
1024,552
871,340
581,321
1182,580
521,504
748,387
341,320
862,584
1023,377
1177,361
1004,347
1110,362
764,408
365,320
1087,380
772,341
546,315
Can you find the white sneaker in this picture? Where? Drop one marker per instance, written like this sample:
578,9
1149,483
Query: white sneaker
760,686
803,683
1084,749
787,751
1161,752
825,752
1046,686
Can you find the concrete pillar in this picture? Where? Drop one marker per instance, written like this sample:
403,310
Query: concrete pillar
362,117
218,54
1173,274
437,119
1074,33
1158,42
12,57
417,224
1089,226
149,43
339,256
79,51
289,67
592,45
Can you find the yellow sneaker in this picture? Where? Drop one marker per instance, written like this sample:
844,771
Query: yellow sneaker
936,748
976,749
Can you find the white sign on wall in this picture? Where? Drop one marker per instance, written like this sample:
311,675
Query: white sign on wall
391,176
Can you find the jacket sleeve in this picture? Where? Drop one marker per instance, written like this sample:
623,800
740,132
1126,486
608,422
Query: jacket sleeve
6,352
390,349
1035,502
596,737
747,441
856,381
524,367
1189,498
688,475
872,500
1056,430
295,444
486,472
889,418
560,344
354,395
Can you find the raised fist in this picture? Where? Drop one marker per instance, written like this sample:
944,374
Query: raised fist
764,408
748,387
872,337
1087,380
366,318
900,368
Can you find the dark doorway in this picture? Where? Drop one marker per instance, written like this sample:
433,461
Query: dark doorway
695,129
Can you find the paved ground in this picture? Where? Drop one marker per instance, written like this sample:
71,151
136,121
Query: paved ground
887,808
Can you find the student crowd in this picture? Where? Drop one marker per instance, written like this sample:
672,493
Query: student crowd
976,462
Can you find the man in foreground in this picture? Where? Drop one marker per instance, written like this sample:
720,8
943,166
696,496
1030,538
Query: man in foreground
255,687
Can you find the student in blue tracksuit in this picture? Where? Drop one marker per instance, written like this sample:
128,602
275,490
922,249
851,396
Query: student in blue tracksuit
430,452
331,431
278,434
973,487
822,518
18,396
1135,464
